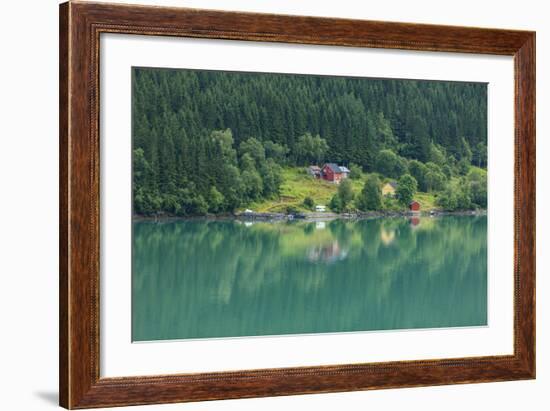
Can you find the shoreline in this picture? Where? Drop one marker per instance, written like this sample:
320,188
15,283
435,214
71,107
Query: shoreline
310,216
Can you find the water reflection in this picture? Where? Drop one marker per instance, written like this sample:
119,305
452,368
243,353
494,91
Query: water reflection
415,221
195,279
327,253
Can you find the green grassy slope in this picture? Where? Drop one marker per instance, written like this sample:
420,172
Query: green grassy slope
297,185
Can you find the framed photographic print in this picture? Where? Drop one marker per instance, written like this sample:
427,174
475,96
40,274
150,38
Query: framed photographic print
258,205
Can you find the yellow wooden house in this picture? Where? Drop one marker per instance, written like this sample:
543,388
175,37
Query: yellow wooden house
388,190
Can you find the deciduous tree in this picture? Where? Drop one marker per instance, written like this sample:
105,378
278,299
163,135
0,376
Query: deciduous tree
370,197
406,189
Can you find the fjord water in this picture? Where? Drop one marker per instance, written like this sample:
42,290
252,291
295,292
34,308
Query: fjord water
227,278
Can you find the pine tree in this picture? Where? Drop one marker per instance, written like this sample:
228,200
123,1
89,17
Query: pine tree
189,125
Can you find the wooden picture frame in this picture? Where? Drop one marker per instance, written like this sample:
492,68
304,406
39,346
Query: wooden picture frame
80,27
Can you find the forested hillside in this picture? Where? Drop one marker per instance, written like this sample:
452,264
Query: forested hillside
215,141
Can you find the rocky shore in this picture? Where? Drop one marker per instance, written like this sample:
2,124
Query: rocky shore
312,216
355,215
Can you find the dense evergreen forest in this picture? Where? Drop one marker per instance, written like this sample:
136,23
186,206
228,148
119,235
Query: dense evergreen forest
207,141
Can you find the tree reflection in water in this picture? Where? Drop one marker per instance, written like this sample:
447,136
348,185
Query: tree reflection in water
200,278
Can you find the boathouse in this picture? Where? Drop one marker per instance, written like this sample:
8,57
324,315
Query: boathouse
414,206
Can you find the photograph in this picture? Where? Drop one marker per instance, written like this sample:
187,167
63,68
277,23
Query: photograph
269,204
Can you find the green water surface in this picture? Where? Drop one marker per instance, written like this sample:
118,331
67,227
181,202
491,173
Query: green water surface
202,279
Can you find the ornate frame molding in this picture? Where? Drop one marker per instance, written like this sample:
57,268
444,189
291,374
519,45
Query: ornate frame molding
81,24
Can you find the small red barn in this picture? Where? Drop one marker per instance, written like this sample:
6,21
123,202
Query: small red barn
414,206
332,172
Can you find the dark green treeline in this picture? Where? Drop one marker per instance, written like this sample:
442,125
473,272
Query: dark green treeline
189,126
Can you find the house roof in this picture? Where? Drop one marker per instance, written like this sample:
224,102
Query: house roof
334,167
414,202
344,169
392,183
314,168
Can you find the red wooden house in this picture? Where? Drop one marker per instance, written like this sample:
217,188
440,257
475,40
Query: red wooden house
333,172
